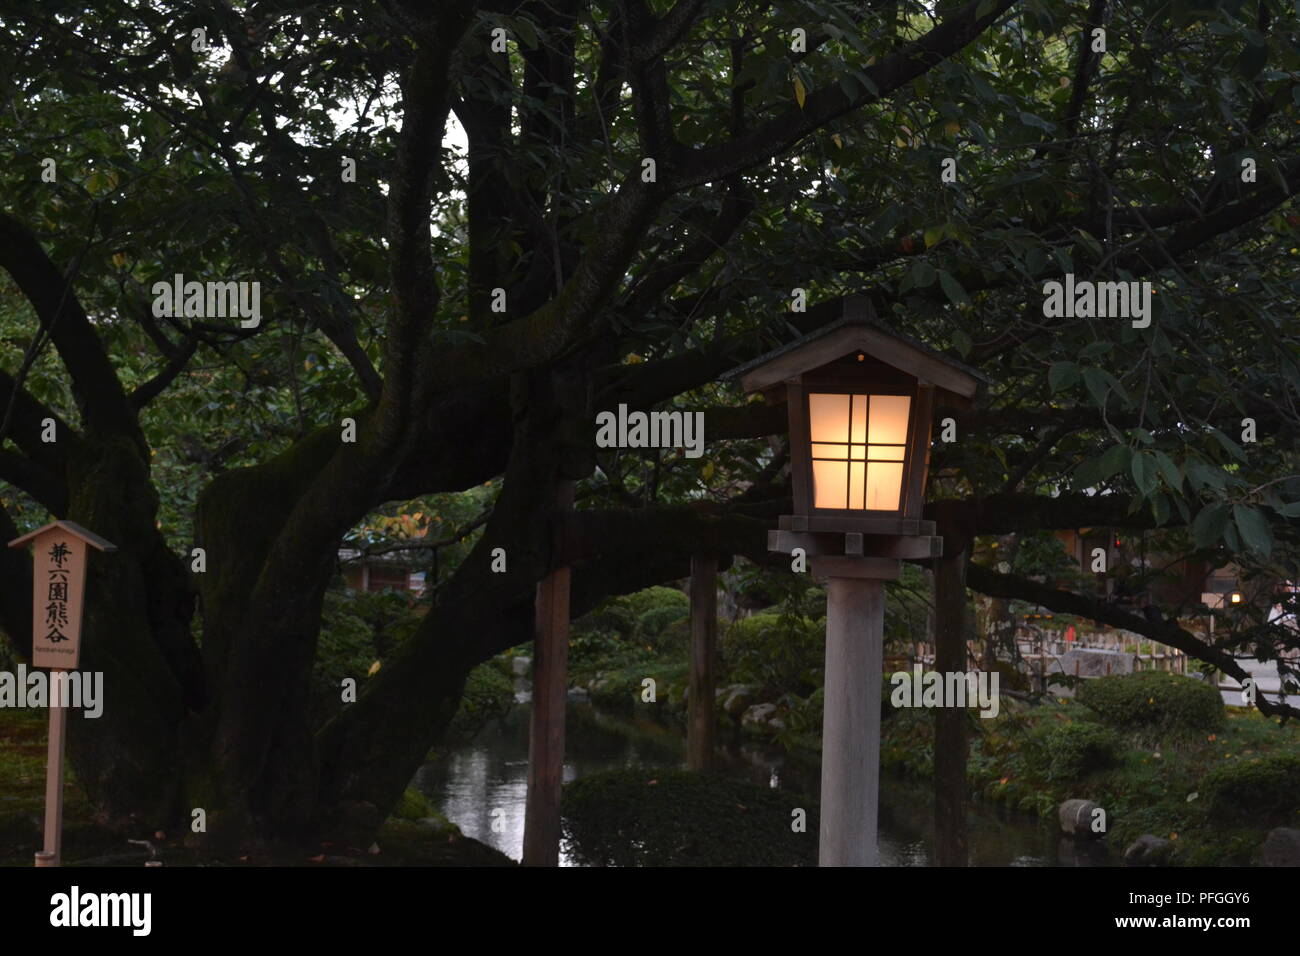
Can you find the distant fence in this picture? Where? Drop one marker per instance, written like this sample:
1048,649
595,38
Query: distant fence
1040,652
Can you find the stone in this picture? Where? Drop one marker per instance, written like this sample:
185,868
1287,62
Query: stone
758,714
1148,850
1076,817
736,698
1281,848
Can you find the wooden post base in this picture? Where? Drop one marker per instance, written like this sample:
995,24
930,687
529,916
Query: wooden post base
855,621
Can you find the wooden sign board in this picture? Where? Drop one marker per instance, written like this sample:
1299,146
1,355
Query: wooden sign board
58,590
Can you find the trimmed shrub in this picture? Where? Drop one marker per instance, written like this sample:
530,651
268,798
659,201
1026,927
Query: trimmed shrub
1260,793
1068,752
649,817
1154,700
489,693
655,626
778,652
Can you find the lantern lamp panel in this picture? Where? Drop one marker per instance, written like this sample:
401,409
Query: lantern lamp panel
889,419
884,485
858,444
830,484
828,417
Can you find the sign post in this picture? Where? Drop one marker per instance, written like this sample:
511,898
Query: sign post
58,598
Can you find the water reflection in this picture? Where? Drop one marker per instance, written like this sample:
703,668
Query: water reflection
482,787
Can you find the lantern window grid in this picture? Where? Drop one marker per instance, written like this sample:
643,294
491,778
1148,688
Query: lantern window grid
858,449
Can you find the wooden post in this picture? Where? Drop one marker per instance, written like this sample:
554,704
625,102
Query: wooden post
546,730
950,724
855,623
704,641
52,855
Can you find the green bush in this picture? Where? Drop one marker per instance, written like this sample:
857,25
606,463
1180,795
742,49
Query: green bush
778,652
654,622
1154,700
489,692
645,817
1261,793
357,629
641,618
1069,752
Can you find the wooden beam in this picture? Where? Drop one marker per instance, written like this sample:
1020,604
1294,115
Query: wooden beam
843,522
910,547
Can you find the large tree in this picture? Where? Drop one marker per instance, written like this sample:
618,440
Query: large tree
470,310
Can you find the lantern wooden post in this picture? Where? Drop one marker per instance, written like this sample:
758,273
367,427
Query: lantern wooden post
855,623
546,729
704,648
58,599
858,497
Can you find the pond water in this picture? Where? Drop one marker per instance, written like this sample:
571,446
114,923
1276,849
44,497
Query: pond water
490,774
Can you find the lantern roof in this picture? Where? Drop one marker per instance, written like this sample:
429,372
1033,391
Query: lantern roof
72,528
858,331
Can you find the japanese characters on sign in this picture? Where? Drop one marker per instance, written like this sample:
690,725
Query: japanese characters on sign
58,580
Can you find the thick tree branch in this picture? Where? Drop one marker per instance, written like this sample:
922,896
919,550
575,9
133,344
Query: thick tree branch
1167,632
104,403
822,106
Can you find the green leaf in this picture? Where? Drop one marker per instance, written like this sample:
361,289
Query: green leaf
1209,523
1098,383
1062,375
1087,474
1170,471
1115,460
962,342
1254,528
1204,476
527,32
923,274
1160,508
1143,468
1230,446
952,288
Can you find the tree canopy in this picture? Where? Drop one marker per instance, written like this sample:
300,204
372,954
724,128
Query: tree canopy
640,196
